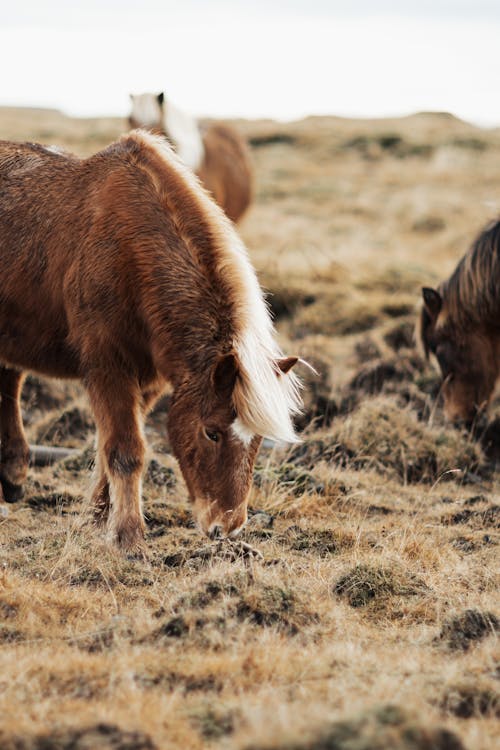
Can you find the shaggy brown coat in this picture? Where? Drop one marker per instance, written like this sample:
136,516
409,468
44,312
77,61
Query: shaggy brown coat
460,325
226,170
120,271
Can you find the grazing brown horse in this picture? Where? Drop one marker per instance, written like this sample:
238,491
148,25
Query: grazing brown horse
218,154
460,325
121,271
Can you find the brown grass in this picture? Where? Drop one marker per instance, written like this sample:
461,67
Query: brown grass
372,620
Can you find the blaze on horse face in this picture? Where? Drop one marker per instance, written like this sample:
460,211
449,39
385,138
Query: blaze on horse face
147,112
466,359
214,450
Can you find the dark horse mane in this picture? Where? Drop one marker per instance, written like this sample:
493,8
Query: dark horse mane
472,293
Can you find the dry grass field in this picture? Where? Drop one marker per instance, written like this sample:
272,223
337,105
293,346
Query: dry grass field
372,620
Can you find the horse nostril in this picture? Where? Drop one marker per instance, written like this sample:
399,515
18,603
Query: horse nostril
215,532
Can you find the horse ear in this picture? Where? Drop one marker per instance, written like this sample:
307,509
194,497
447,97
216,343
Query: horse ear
433,302
161,97
286,364
225,374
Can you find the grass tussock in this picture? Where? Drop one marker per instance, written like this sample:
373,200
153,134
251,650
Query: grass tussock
68,428
379,434
275,606
394,441
461,631
469,699
384,728
366,584
98,737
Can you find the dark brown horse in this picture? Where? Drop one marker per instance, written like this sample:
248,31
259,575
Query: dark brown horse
121,271
460,325
217,153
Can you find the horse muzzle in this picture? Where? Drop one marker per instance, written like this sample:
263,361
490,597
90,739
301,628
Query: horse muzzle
217,522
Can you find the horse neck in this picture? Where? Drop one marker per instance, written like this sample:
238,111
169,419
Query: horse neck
183,131
190,318
187,295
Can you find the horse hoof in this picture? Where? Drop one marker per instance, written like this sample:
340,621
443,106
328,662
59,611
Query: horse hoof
134,551
137,555
130,543
11,492
99,520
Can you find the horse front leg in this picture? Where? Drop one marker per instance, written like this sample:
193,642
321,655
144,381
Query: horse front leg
14,449
116,404
101,502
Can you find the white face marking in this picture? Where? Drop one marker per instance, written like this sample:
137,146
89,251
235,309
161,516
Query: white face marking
181,129
241,432
52,149
146,110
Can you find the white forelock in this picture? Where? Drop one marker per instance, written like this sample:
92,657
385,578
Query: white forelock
146,110
265,398
241,432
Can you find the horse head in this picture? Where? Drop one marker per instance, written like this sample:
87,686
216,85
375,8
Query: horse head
147,112
215,449
466,356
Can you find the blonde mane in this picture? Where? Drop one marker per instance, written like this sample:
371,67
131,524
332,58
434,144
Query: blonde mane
183,131
264,399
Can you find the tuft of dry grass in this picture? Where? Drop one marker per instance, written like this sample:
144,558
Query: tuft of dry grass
391,439
385,728
460,631
468,699
365,584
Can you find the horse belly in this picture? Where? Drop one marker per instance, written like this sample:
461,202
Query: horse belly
33,345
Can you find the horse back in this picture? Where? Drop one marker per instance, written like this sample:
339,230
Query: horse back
68,231
227,169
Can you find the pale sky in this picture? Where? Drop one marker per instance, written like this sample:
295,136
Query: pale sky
275,58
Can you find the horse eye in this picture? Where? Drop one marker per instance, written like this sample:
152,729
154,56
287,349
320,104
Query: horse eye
445,358
211,435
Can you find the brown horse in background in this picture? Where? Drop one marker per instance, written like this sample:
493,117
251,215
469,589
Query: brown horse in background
121,271
460,325
217,154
